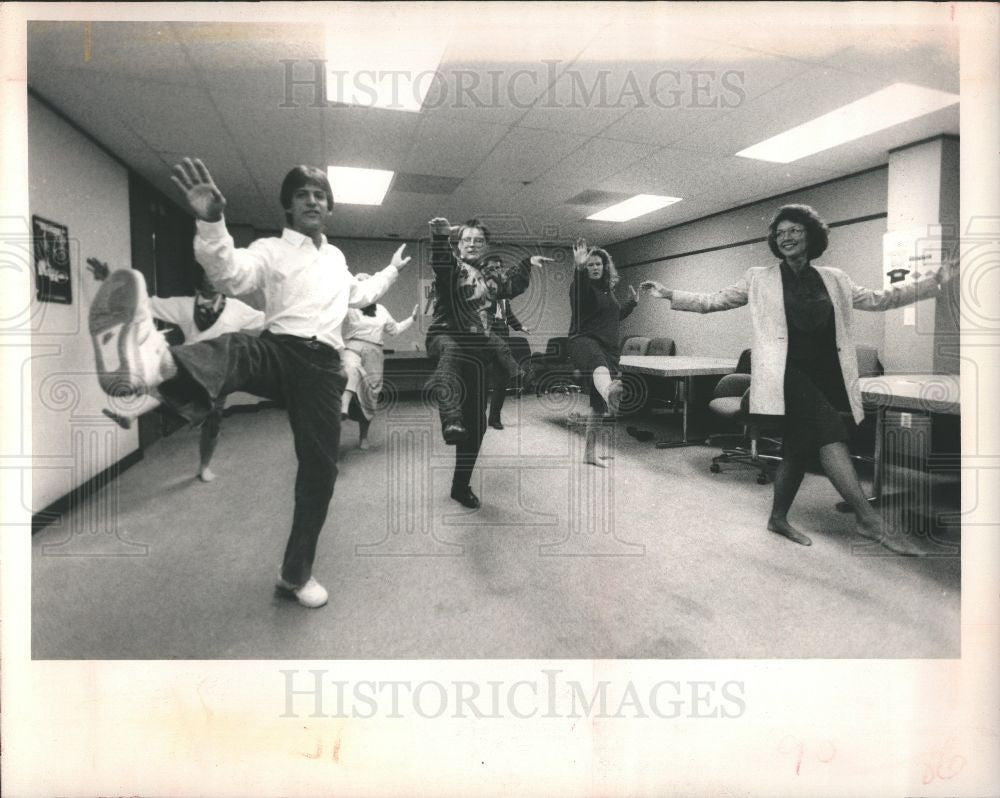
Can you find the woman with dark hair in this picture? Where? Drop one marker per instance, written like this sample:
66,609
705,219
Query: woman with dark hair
595,313
364,360
805,360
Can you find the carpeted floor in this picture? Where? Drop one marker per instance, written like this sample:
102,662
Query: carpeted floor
652,557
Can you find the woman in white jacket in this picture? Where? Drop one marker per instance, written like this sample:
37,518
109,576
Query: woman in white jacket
804,359
363,359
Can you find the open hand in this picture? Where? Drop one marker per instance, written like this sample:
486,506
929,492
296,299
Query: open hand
580,252
397,258
631,294
655,289
202,195
98,268
540,260
416,311
948,271
440,226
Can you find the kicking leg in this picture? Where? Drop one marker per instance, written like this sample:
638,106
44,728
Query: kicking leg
209,440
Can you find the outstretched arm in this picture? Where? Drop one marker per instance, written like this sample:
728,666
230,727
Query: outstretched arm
393,327
733,296
630,303
231,270
365,292
913,291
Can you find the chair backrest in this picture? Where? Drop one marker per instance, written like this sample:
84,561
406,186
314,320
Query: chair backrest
556,347
743,364
635,345
868,363
732,385
519,348
661,346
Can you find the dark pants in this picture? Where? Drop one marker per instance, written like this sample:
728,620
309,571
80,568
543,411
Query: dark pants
500,377
459,388
306,376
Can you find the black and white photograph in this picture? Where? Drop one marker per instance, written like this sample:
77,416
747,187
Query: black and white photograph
578,361
52,261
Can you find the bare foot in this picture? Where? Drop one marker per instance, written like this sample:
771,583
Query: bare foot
206,474
364,445
594,462
891,538
782,527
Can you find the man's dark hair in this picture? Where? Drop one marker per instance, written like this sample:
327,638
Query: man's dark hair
303,176
817,233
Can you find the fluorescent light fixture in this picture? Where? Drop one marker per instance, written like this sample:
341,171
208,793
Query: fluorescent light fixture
384,55
639,205
890,106
354,186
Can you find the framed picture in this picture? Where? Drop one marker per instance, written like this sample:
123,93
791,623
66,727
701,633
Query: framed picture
52,261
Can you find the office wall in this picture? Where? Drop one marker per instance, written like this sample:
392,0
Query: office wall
856,248
76,184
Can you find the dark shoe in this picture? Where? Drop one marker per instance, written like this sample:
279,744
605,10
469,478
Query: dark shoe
454,432
122,421
465,497
495,423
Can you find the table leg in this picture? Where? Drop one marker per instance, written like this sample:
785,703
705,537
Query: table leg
687,387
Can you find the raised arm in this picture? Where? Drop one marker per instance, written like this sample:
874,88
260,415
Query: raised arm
231,270
913,291
733,296
630,303
365,292
393,327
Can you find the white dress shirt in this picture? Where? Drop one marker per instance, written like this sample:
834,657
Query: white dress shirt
236,316
307,291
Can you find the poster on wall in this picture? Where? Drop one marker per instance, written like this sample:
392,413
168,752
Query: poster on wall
52,261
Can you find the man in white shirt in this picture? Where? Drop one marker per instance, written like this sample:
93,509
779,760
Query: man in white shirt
307,290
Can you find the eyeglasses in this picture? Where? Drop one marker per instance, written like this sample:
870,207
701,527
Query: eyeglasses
789,232
474,241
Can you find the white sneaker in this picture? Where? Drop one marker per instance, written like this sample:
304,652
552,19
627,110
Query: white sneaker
312,594
128,348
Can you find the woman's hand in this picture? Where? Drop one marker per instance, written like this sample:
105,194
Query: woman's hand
440,226
947,272
202,195
631,294
580,252
98,268
416,311
540,260
655,289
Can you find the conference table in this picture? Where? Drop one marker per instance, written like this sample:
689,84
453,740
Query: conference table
680,367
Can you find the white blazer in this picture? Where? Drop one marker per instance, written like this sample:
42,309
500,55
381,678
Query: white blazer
761,287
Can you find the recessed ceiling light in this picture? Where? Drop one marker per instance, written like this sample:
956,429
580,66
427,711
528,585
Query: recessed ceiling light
890,106
354,186
638,205
385,55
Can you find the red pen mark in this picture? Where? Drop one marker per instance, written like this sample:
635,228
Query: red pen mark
942,763
824,751
336,751
952,10
319,750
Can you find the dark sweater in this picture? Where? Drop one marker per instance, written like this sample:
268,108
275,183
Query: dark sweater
595,310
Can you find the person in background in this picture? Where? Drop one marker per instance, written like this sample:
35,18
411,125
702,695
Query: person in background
202,317
504,321
307,290
364,359
805,366
595,314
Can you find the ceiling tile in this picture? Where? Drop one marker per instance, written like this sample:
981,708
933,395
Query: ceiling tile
524,154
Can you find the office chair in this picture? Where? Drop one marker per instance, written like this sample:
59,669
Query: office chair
731,401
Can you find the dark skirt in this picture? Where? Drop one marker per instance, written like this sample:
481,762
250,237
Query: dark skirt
588,354
817,410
